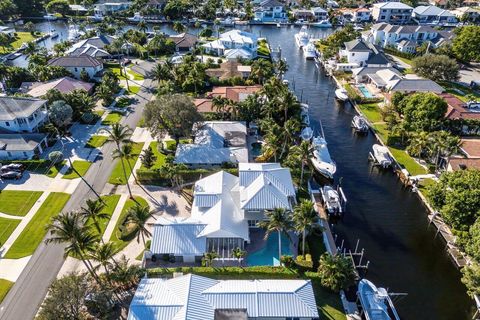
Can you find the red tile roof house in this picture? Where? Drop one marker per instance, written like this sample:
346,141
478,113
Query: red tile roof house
471,149
457,109
236,94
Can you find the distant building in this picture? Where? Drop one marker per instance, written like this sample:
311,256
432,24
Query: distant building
228,70
233,40
76,64
63,85
94,47
108,8
392,12
470,147
235,94
313,14
356,15
433,15
457,109
467,13
184,41
196,297
271,11
156,4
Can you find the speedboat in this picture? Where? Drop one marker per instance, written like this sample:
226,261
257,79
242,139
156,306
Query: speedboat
341,94
306,134
309,51
137,17
279,25
331,200
382,155
50,17
360,124
322,24
304,114
376,302
53,34
302,38
321,159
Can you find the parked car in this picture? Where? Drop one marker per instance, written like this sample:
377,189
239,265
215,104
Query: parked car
11,175
12,167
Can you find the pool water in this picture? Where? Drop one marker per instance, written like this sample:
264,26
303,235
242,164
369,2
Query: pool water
256,149
268,255
366,93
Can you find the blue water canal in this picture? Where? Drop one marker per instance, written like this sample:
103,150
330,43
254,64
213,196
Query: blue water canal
388,219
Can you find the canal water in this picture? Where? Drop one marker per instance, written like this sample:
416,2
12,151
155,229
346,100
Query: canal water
388,219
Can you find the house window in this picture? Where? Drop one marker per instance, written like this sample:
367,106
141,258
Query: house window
253,223
76,69
353,54
382,17
7,124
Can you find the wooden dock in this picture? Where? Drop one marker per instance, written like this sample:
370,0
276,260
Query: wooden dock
327,233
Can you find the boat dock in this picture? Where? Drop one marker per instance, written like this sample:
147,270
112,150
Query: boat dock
328,239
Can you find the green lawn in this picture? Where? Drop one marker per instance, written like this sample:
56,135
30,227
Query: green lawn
111,118
170,144
35,231
81,166
117,176
18,203
96,141
120,244
7,226
136,76
459,91
160,156
133,89
18,41
5,286
110,204
371,112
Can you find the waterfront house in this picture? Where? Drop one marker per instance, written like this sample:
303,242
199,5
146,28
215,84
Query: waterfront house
467,14
76,64
405,38
358,53
271,11
110,7
196,297
235,94
433,15
63,85
233,39
414,85
380,77
224,208
319,14
392,12
184,41
470,148
356,15
20,119
216,143
313,14
228,70
458,110
95,47
156,4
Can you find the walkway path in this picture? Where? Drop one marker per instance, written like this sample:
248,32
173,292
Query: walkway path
116,214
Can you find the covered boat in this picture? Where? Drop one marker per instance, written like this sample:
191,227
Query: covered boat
331,200
341,94
321,159
376,302
309,51
304,114
302,38
382,155
306,134
322,24
360,124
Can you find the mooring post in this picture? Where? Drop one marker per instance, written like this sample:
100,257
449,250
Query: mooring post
356,246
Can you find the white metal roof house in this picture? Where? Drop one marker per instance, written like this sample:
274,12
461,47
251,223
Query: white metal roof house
360,53
392,12
193,297
433,15
233,39
94,47
216,143
271,11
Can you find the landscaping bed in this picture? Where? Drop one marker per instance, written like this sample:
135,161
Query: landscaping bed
17,202
35,231
154,177
117,177
5,286
7,226
79,165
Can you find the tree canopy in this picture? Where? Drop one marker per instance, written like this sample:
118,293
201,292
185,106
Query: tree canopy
466,44
436,67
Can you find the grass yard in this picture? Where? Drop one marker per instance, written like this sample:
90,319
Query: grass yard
96,141
133,89
117,176
7,226
371,112
133,75
111,118
99,112
170,144
459,91
110,204
81,166
35,231
160,156
18,203
115,237
5,286
17,42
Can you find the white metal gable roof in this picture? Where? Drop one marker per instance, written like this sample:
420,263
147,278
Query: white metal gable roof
179,239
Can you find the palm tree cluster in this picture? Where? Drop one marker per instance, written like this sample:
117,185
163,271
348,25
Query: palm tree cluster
188,76
433,146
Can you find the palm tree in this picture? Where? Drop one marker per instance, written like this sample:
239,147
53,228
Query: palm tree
142,26
239,254
282,67
418,144
277,220
336,272
120,134
208,257
126,153
30,49
104,254
138,216
304,152
178,27
69,228
289,131
93,211
305,219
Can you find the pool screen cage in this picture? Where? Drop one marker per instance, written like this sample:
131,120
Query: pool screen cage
224,246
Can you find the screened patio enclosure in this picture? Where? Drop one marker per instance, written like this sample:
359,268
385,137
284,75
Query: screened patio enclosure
224,246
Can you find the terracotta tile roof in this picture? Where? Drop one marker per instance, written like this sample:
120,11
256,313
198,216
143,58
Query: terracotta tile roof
462,163
471,147
204,105
227,70
457,109
235,93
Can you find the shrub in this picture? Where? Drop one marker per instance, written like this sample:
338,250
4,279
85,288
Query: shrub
56,157
287,261
88,118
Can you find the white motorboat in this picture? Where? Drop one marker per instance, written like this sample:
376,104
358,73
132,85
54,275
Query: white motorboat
306,134
331,200
376,302
302,38
50,17
341,94
137,17
279,25
382,155
322,24
229,22
53,34
321,159
360,124
304,114
309,51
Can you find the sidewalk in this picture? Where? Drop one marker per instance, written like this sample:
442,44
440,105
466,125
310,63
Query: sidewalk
113,220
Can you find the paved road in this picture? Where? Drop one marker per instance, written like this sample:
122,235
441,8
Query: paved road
25,297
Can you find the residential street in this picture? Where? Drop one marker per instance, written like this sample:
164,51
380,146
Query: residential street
42,269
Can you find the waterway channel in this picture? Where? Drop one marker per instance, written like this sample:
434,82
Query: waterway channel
388,219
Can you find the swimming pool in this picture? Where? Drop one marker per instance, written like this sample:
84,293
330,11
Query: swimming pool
366,93
256,149
268,255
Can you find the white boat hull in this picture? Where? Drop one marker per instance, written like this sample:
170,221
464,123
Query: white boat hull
382,156
359,124
341,94
321,160
376,302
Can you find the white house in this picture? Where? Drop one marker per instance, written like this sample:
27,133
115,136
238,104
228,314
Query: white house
224,208
380,76
433,15
319,13
94,47
271,11
9,31
193,297
467,13
404,38
392,12
107,8
361,53
362,15
76,64
233,39
215,143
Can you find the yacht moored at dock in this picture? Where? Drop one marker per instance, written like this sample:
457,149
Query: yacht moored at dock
376,302
322,24
321,159
381,156
306,134
309,51
360,124
302,38
341,94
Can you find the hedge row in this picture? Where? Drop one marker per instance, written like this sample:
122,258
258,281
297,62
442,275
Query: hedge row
154,177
